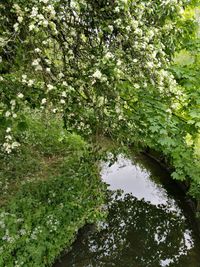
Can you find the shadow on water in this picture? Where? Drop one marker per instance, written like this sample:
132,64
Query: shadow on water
148,225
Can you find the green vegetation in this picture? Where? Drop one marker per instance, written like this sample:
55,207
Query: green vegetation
71,71
186,68
48,191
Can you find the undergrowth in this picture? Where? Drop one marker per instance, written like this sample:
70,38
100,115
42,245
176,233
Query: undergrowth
49,190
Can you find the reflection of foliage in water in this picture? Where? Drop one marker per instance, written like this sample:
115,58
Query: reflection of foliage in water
136,234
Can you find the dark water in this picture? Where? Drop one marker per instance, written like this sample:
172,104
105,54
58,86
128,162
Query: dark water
149,225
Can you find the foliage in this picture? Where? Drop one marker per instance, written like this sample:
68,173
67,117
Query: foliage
72,56
84,68
103,65
186,71
43,142
49,198
43,217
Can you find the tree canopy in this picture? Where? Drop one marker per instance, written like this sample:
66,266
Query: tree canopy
105,66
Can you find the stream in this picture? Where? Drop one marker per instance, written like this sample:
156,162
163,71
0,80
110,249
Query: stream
149,223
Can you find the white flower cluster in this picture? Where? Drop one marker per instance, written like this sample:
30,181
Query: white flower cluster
36,232
8,238
36,64
44,1
97,74
9,146
20,17
28,82
49,87
43,17
52,223
6,234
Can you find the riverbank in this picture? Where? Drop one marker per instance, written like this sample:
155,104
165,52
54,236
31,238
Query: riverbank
49,190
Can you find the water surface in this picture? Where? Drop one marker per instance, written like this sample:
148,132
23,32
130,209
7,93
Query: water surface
149,224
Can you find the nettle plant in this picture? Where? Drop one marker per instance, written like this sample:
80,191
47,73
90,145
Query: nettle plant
96,62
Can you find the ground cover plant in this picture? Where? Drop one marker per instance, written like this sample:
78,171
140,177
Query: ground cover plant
48,191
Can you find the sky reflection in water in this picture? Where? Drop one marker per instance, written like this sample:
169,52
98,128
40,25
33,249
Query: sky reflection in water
129,177
145,226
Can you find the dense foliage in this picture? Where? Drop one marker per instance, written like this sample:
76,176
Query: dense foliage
99,68
186,71
103,64
77,56
48,192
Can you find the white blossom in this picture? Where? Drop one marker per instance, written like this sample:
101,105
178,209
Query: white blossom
36,62
30,83
8,137
34,12
20,19
64,83
119,62
13,102
50,87
14,145
61,75
8,130
31,27
97,74
17,7
44,1
20,95
111,28
108,55
43,101
16,26
64,94
45,23
7,148
150,65
136,85
24,76
7,114
37,50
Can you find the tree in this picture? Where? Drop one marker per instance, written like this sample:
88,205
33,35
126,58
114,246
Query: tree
102,64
